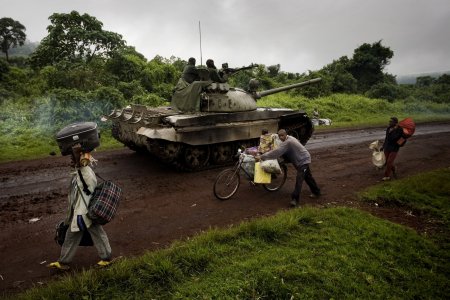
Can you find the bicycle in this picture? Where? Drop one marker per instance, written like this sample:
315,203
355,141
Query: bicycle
228,181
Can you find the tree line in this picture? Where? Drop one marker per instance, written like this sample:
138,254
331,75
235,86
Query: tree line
78,59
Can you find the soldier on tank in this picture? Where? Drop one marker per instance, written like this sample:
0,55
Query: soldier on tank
213,73
190,72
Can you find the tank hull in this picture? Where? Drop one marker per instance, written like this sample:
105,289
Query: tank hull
202,140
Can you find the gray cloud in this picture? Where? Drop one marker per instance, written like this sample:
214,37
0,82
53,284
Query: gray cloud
299,35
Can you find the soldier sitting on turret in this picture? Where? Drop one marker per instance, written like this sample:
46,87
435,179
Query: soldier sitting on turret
213,73
190,72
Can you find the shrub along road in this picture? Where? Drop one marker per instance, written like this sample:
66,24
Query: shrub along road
161,205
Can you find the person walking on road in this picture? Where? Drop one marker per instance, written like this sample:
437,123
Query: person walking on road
296,153
391,147
78,220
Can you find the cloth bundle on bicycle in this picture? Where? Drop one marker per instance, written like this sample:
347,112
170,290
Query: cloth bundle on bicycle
260,175
271,166
248,163
104,202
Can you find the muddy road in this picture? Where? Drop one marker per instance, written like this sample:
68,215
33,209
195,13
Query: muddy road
161,205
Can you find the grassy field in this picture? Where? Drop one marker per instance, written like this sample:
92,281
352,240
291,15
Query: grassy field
28,132
306,253
427,193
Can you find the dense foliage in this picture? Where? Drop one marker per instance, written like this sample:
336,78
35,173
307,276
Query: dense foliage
79,72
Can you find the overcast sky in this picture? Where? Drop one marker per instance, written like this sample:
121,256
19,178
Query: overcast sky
297,34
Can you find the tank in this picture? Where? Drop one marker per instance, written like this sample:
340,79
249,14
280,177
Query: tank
206,123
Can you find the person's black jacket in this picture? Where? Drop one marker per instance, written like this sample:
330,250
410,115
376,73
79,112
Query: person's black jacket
393,134
190,74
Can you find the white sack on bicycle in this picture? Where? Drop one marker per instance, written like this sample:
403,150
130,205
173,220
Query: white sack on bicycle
271,166
248,163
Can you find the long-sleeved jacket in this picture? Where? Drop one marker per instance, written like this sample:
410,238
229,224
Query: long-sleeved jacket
190,74
393,134
292,149
77,194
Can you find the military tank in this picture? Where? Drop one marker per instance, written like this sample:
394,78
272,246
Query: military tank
206,123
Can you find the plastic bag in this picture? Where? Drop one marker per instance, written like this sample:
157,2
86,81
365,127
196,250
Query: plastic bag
248,163
271,166
375,145
260,175
378,158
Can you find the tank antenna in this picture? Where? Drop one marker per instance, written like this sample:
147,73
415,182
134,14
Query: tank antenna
200,33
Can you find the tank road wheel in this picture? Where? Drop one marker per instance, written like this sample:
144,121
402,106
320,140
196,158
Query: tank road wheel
166,151
222,153
169,151
195,157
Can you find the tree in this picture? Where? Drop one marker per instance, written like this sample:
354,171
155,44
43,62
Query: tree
273,70
4,68
11,34
341,79
423,81
75,38
368,63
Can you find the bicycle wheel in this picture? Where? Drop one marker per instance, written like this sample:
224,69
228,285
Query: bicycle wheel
226,184
277,181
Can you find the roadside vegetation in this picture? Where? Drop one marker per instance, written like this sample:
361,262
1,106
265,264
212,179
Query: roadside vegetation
29,131
306,253
426,194
302,253
80,71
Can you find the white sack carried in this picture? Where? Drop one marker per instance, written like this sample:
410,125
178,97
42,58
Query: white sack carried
271,166
378,158
375,145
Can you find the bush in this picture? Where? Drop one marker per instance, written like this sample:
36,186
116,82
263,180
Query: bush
150,99
130,89
107,98
386,91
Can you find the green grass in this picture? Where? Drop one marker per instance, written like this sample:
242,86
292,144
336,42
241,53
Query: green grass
423,194
26,131
304,253
28,143
356,110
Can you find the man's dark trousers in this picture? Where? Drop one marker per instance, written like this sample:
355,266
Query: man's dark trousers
304,173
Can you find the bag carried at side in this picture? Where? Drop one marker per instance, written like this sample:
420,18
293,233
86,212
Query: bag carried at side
378,157
60,235
104,201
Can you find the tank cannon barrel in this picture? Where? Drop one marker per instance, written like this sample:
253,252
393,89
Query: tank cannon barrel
285,88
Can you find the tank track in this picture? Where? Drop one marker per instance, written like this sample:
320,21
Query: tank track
188,161
187,158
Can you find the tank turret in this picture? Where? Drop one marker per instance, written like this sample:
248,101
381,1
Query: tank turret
206,123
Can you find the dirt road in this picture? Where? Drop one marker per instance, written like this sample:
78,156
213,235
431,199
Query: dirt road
161,205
